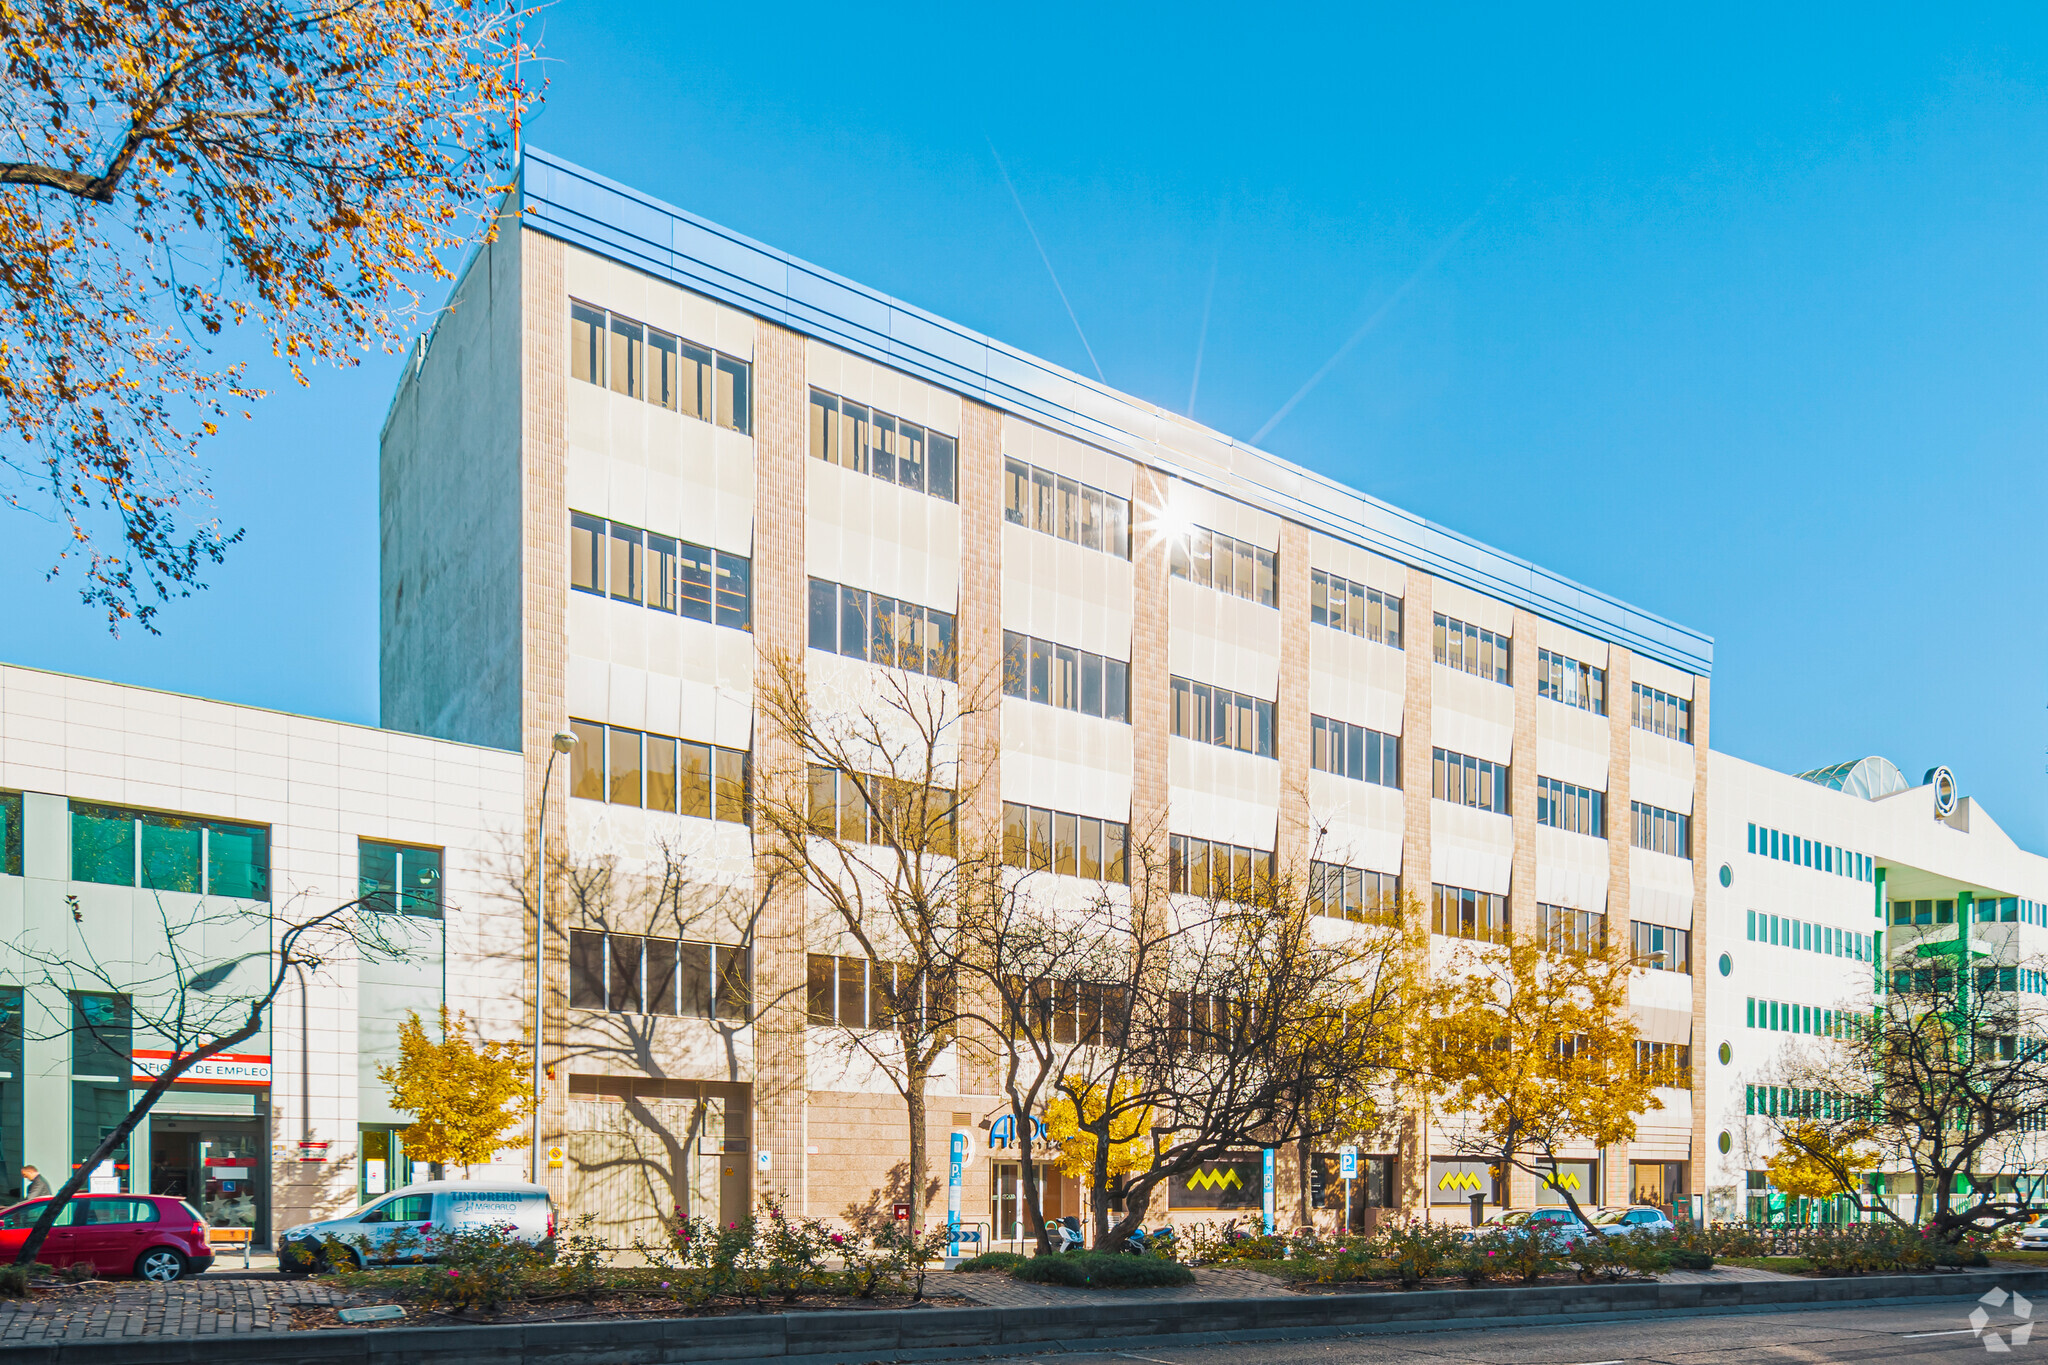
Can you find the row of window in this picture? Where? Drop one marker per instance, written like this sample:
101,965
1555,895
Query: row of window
1219,871
1660,830
1070,845
114,847
1662,948
882,630
1923,912
1072,1012
1661,714
1060,675
1784,1101
1347,750
1779,1016
1341,604
1464,780
1571,683
635,974
861,808
1792,848
858,993
1217,715
1563,929
631,565
1580,810
1471,650
2006,910
1210,559
1352,893
1787,932
2025,980
1456,912
680,776
1040,500
870,441
1665,1063
647,363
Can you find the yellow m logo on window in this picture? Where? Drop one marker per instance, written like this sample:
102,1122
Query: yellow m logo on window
1567,1181
1459,1180
1224,1179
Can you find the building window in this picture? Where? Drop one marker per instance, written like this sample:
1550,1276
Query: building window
1793,848
647,363
1660,830
1059,675
1580,810
1353,751
1661,948
398,879
157,852
627,564
632,974
1571,683
1667,1064
10,836
1070,845
869,441
1352,893
1562,929
1661,713
1340,604
861,808
1211,559
1217,871
1466,781
102,1037
1478,915
882,630
1216,715
1040,500
857,993
678,776
1472,650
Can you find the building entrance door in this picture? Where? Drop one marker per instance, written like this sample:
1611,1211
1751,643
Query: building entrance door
215,1165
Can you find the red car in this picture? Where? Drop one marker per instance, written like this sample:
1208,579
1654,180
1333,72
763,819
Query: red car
150,1236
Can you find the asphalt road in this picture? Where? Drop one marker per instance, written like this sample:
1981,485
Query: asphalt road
1905,1332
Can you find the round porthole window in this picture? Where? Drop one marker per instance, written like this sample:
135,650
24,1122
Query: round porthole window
1727,875
1727,965
1727,1054
1724,1142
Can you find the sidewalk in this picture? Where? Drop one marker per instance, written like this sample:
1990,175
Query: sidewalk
209,1305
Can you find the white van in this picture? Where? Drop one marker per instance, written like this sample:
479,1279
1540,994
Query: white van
429,1207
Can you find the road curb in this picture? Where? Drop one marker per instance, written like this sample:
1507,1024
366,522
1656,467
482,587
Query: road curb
834,1338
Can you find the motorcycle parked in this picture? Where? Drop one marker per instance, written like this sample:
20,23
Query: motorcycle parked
1158,1242
1066,1235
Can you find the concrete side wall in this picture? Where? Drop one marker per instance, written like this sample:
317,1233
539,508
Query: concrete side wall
449,519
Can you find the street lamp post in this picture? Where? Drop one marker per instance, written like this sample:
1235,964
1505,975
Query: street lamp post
562,744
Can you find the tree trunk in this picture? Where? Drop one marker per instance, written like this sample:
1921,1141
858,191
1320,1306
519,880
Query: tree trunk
917,1074
1308,1217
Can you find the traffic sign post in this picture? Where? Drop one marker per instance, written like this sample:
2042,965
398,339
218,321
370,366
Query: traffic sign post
1347,1167
956,1162
1268,1200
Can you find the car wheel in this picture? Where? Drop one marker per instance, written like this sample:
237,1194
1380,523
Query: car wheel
161,1264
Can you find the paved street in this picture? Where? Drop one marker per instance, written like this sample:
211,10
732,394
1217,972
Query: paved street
206,1306
1911,1332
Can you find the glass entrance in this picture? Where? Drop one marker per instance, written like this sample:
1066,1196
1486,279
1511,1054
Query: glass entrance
215,1165
385,1166
1007,1220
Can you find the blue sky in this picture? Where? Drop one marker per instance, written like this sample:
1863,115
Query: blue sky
1745,324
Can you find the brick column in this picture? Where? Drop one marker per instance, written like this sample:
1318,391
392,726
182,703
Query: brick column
1151,682
779,589
980,636
544,603
1296,834
1417,615
1696,1175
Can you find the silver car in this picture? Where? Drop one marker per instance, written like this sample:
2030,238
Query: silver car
1634,1219
399,1225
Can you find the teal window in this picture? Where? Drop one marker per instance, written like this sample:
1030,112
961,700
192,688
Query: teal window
170,854
177,853
1752,836
1750,1012
96,1111
102,1037
397,879
102,846
1752,926
10,865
